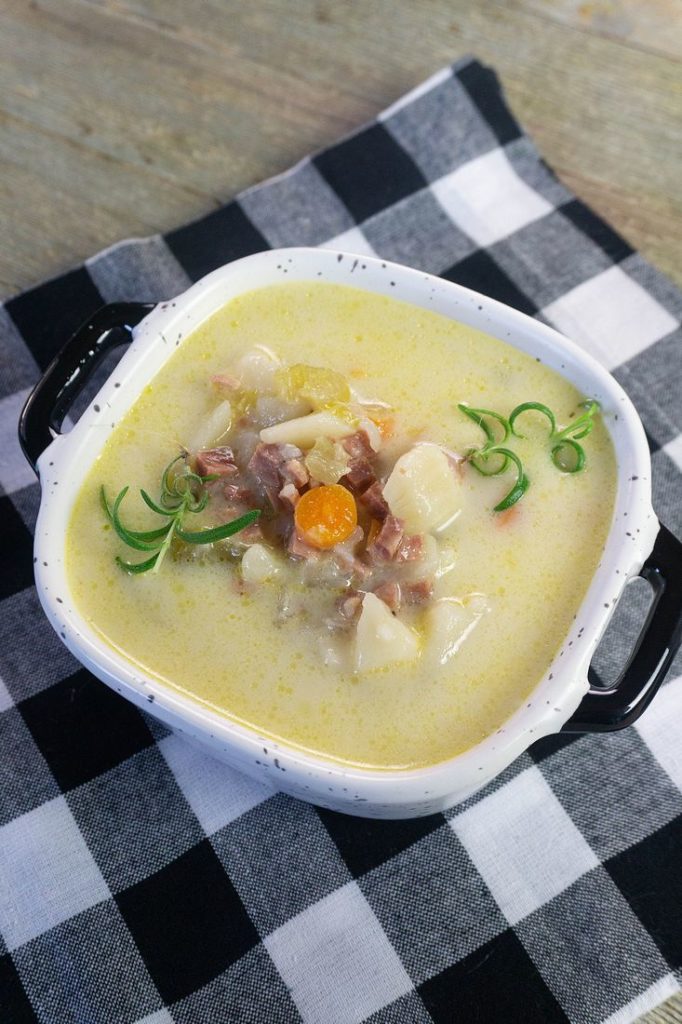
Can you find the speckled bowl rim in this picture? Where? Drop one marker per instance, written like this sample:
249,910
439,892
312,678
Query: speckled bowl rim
365,791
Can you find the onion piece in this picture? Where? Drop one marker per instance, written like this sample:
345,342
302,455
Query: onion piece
259,564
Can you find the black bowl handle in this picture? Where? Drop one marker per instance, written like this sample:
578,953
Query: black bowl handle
52,397
604,709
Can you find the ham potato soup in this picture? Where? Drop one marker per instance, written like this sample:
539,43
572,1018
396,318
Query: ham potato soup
364,528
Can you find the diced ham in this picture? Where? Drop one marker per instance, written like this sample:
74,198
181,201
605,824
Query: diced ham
295,472
411,548
298,548
456,461
235,492
390,593
374,501
352,565
370,563
289,496
219,461
361,571
251,534
266,467
349,605
360,473
417,592
387,541
346,559
226,382
359,477
357,445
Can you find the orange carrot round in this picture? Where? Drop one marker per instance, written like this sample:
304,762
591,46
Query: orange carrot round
326,516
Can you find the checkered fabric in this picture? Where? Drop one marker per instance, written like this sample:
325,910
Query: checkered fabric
140,881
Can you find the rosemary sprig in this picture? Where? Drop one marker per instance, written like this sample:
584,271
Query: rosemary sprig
181,492
566,454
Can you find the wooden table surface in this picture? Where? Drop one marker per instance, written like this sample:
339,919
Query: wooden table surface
128,117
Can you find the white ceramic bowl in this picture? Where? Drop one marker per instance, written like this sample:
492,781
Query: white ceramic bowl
556,699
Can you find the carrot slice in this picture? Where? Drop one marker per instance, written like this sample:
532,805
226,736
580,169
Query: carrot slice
326,516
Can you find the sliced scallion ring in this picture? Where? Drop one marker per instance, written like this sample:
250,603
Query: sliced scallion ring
568,463
531,407
479,417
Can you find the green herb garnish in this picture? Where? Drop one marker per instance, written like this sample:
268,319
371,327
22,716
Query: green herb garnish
181,492
480,418
531,407
480,457
566,454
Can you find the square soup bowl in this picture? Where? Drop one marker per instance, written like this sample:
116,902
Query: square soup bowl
564,699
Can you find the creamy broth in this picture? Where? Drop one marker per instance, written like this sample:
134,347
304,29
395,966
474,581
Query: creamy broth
193,627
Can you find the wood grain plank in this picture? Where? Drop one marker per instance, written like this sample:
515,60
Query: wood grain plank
209,104
151,100
655,26
59,227
669,1012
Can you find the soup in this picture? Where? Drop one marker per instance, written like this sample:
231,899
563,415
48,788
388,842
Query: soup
417,510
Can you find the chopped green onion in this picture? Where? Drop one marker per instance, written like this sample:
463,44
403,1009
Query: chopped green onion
583,425
531,407
522,482
477,458
565,452
559,456
479,415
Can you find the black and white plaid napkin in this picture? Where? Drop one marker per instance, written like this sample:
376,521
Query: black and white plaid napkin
141,881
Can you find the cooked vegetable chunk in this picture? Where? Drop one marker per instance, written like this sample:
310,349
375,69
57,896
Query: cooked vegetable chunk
422,490
213,428
327,461
305,430
450,620
259,564
326,516
381,639
318,384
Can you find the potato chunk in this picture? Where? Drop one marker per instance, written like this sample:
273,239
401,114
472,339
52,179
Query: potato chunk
213,428
422,490
449,621
305,430
381,639
257,369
